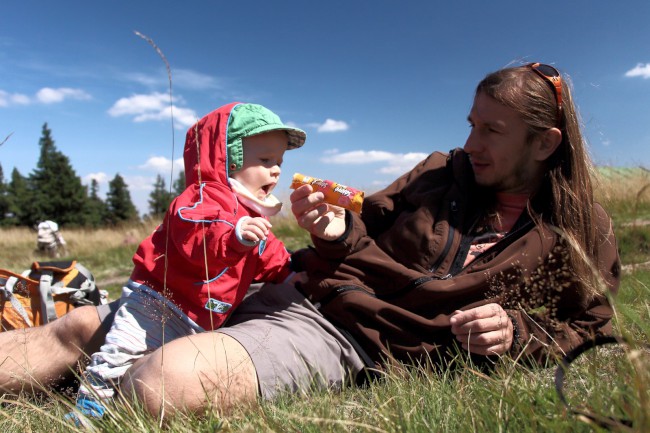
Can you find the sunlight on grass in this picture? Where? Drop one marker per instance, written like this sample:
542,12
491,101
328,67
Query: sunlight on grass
612,381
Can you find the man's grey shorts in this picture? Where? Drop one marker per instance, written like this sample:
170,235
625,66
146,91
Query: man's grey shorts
293,347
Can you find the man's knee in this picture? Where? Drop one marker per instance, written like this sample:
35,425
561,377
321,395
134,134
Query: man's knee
80,329
152,380
192,373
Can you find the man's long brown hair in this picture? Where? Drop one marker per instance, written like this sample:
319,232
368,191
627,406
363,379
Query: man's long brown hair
567,188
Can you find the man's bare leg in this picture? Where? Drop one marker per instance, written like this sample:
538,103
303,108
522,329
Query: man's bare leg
192,373
34,359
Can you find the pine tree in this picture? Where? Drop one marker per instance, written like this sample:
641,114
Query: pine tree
96,212
179,184
57,191
19,200
4,199
120,208
159,199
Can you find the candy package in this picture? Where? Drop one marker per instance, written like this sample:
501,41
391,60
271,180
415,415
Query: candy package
335,193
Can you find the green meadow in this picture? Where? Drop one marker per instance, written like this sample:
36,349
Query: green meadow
610,383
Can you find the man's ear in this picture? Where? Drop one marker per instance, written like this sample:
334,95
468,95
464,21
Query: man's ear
549,140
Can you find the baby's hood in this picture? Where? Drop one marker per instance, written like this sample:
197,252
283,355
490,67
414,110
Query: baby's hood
205,156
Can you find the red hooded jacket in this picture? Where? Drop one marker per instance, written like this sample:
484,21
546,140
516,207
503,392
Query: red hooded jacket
194,258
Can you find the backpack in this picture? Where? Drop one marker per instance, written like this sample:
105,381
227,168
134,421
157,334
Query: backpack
44,293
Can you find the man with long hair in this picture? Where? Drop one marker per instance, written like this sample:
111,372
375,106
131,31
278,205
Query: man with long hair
497,247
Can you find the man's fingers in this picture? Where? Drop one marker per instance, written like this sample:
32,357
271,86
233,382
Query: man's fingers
488,336
323,221
300,193
482,312
303,200
496,349
313,218
483,338
481,325
488,343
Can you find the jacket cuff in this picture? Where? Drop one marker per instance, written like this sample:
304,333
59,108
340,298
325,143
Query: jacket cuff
238,234
519,334
338,247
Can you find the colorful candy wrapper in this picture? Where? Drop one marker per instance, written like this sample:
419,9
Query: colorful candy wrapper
335,193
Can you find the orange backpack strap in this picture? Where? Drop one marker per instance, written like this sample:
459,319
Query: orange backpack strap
8,281
44,293
58,278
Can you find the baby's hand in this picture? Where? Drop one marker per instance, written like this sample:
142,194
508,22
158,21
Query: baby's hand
255,229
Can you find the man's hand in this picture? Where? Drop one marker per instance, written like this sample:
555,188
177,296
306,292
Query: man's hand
314,215
484,330
255,229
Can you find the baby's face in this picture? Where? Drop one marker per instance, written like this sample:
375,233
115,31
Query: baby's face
263,155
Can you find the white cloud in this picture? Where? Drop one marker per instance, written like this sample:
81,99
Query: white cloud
369,156
48,95
102,182
379,183
139,183
640,70
20,99
397,163
162,114
189,79
100,177
139,104
139,188
181,78
154,106
162,165
357,157
402,163
145,80
332,125
7,99
185,117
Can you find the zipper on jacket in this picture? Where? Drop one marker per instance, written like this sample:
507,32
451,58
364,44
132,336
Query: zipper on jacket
414,285
340,290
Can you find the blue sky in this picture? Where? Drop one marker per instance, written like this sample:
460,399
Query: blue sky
376,85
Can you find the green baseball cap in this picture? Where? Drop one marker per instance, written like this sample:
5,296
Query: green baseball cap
253,119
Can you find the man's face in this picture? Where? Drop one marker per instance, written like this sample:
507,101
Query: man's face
500,155
263,155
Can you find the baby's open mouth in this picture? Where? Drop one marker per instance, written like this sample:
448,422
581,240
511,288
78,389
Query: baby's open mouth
268,188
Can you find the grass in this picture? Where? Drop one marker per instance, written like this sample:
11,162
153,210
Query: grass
625,193
610,381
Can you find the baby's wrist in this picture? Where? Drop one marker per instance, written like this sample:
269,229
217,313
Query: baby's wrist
239,234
